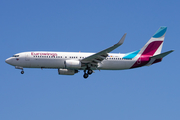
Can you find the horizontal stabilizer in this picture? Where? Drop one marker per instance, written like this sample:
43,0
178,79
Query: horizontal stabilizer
159,56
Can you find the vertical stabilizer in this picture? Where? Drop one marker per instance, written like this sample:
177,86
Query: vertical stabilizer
154,45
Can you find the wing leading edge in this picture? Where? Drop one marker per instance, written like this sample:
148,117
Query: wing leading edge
100,56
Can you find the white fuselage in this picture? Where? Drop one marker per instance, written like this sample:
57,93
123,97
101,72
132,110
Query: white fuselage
39,59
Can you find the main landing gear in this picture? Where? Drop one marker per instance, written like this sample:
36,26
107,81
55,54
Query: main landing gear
89,72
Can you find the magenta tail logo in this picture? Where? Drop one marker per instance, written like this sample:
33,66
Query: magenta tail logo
139,61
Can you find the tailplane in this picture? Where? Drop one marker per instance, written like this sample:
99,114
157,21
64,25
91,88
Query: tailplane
154,45
160,56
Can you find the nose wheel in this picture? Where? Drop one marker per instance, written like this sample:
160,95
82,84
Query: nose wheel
22,72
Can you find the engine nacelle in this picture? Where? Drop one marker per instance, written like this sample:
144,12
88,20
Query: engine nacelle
67,71
72,64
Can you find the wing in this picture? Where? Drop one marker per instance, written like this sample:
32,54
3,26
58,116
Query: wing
100,56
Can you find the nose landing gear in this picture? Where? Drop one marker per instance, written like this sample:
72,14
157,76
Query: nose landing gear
18,67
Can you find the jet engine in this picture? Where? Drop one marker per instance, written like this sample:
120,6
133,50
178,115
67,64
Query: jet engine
67,72
72,64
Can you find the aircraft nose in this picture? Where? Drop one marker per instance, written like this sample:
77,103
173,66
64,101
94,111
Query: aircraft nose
8,60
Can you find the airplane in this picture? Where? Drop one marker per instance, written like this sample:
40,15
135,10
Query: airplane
69,63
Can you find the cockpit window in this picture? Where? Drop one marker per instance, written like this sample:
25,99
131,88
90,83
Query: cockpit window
15,55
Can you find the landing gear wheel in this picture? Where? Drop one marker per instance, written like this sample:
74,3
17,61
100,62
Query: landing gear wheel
22,72
85,75
90,71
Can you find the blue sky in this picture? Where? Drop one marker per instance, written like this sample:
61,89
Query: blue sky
88,26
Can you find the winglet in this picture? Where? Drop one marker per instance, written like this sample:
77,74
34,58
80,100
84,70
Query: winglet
121,41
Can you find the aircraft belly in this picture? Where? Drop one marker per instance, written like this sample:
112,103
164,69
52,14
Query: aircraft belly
116,65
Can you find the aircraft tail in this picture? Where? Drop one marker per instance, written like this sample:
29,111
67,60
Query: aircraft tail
154,45
151,51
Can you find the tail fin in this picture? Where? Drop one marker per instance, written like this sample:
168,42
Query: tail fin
154,45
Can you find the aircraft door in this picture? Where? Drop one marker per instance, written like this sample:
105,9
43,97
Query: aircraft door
27,58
